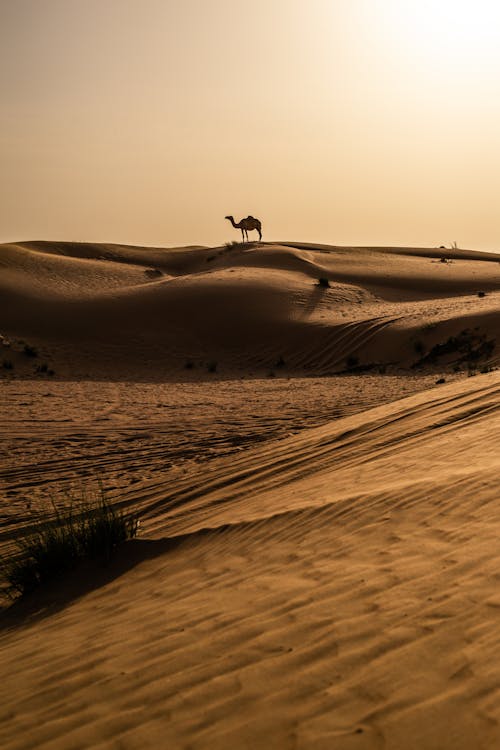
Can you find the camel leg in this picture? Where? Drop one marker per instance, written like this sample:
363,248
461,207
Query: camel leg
243,235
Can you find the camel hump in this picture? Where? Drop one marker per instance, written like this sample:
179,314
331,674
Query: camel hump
252,218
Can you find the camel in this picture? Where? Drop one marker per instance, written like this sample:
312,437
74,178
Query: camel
247,225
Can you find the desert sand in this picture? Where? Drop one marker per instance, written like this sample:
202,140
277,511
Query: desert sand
315,466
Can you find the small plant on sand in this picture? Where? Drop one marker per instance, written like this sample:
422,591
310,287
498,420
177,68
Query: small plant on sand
153,273
352,362
30,351
234,245
58,541
419,347
323,282
212,367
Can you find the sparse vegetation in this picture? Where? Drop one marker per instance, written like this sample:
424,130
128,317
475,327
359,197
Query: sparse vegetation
212,367
43,368
469,347
30,351
280,362
189,364
62,539
153,273
234,245
419,347
481,294
352,362
323,282
7,364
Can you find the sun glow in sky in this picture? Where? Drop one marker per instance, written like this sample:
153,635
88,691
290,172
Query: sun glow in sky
458,27
338,121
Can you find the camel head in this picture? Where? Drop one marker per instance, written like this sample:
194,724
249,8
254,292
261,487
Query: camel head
229,217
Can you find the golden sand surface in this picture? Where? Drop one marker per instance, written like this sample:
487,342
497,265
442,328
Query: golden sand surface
320,520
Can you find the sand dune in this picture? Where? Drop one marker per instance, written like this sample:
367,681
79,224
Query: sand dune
323,591
318,560
107,310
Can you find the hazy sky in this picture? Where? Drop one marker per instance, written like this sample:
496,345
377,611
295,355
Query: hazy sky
337,121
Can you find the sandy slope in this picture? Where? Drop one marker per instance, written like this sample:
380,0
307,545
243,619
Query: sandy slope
318,565
344,594
59,434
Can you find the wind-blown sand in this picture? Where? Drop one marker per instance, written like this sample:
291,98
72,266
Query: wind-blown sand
319,556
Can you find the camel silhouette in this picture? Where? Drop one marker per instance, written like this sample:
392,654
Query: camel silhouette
247,225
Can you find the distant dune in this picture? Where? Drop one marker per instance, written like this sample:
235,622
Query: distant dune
127,312
316,474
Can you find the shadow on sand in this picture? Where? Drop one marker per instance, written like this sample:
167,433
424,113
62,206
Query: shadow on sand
86,578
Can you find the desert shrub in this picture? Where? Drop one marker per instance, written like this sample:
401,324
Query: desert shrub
234,245
481,294
352,362
212,367
323,282
468,347
63,538
280,362
153,273
42,368
7,364
30,351
419,347
189,364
